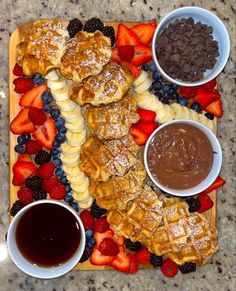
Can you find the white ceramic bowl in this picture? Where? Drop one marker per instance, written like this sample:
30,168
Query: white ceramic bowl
220,34
214,172
37,271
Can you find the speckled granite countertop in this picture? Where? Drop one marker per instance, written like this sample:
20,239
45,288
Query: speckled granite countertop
219,274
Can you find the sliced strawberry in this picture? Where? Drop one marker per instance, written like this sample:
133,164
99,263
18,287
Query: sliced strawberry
46,133
98,259
23,85
37,116
24,158
18,71
134,70
126,36
210,85
122,261
99,237
206,202
138,135
101,225
146,115
147,127
33,98
133,268
32,147
108,247
187,92
126,52
22,170
21,123
204,96
145,31
215,108
46,170
115,56
16,182
142,256
118,239
169,268
142,55
219,182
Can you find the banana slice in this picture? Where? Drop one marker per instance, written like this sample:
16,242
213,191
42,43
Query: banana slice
160,112
69,151
193,114
52,75
73,115
76,138
78,179
56,84
142,98
207,122
72,170
66,105
168,114
76,126
70,161
185,112
86,203
141,78
80,187
80,196
177,110
143,86
61,94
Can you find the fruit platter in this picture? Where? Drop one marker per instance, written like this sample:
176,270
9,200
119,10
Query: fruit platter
84,100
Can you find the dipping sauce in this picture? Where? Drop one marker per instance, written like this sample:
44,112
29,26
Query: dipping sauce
180,156
48,235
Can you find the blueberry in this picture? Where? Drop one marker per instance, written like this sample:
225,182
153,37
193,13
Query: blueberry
145,67
63,179
91,243
57,162
68,188
74,205
26,136
166,88
209,115
20,139
165,101
156,76
46,108
56,144
68,198
174,86
60,137
157,86
55,113
166,95
62,129
196,107
47,97
59,122
20,149
38,79
59,172
55,152
89,235
182,101
152,68
159,95
175,95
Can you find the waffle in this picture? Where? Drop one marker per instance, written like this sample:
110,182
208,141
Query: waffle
42,45
101,160
86,54
118,191
113,120
109,86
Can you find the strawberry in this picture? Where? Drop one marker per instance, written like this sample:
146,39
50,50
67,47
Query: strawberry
169,268
33,98
15,181
21,123
109,247
17,71
46,133
142,55
205,96
134,70
49,183
24,158
146,115
37,116
23,85
99,237
87,219
187,92
142,256
25,195
215,108
147,127
206,202
118,239
22,170
145,31
57,192
98,259
122,261
32,147
133,268
101,225
210,85
46,170
138,135
115,56
219,182
126,52
125,36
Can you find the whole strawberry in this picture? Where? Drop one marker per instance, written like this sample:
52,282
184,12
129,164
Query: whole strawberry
23,85
57,192
46,170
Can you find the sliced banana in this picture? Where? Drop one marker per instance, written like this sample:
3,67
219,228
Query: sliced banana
78,179
72,170
193,114
76,138
168,114
80,187
142,98
73,115
177,110
185,113
76,126
52,75
66,105
143,86
70,161
86,203
160,112
80,196
70,151
56,84
141,78
61,94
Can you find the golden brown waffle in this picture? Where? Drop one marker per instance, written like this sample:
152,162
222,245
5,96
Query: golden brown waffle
86,54
42,45
101,160
112,121
118,191
109,86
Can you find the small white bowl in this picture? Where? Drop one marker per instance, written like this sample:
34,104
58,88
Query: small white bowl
220,34
34,270
216,166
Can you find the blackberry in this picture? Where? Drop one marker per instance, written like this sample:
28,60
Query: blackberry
110,32
156,261
34,183
39,194
16,207
193,204
86,255
74,26
187,268
132,246
97,211
42,157
93,24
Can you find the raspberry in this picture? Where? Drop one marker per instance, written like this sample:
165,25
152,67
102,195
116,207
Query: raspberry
39,194
49,183
133,246
87,219
25,195
110,32
58,192
16,207
108,247
74,26
187,268
97,211
86,255
42,157
32,147
169,268
17,71
93,24
101,225
142,256
156,261
37,116
193,204
46,170
34,183
23,85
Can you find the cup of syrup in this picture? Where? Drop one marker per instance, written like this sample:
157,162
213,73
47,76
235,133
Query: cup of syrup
46,239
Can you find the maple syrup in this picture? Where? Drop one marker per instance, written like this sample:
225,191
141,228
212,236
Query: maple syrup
48,235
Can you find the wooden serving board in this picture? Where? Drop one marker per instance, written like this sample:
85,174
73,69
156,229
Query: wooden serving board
14,109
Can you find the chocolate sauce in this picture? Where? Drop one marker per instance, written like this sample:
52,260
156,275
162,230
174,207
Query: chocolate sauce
180,156
47,235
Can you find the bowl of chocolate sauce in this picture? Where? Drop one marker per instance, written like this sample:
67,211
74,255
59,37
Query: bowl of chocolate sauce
182,157
46,239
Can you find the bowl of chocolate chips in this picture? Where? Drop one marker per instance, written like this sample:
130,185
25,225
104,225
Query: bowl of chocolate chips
190,46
